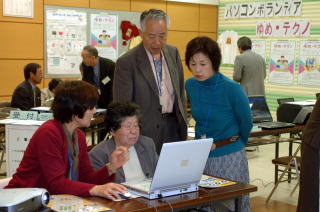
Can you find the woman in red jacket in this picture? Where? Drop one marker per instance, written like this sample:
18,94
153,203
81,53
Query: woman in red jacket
56,157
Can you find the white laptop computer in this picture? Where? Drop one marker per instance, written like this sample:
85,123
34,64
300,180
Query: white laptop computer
179,170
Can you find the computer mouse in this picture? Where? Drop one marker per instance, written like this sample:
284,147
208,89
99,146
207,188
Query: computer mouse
126,195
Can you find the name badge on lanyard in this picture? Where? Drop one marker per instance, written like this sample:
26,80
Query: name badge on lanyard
204,136
205,127
158,69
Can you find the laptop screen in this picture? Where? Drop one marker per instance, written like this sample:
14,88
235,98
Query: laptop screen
181,163
259,109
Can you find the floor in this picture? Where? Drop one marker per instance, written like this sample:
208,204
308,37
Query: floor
262,175
258,205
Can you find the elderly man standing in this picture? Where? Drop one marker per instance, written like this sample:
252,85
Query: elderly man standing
27,94
249,69
98,71
151,75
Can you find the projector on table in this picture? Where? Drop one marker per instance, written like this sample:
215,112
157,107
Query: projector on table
23,199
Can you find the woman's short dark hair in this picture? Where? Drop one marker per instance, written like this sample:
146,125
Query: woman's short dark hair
54,83
244,43
73,98
118,111
206,46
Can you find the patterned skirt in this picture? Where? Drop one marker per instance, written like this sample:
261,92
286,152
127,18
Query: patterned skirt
234,167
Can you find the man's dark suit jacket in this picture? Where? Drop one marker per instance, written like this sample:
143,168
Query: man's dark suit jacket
134,81
106,70
309,169
23,96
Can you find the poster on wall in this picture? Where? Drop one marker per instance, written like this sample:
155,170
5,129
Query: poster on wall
309,62
66,35
281,67
259,47
18,8
103,35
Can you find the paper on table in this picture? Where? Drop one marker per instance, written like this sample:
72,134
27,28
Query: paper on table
214,182
70,203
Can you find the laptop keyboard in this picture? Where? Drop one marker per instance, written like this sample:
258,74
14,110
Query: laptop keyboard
142,186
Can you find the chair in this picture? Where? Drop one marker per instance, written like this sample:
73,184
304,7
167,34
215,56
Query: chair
289,163
5,104
4,113
4,182
283,100
2,145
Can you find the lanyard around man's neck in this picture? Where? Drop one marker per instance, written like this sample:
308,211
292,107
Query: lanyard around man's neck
158,69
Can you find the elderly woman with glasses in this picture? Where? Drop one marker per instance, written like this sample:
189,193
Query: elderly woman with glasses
56,157
123,122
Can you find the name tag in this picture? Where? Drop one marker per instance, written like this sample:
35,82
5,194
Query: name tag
45,116
106,80
30,115
204,136
23,115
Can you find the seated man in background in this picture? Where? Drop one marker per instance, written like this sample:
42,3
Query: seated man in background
27,94
123,122
56,157
47,94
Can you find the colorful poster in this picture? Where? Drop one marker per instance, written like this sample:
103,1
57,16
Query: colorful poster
309,62
281,66
103,36
259,47
66,36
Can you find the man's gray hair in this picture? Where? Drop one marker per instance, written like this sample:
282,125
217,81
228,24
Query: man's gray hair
244,43
153,14
92,51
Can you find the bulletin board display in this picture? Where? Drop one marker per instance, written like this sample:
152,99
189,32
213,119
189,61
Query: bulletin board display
68,30
282,32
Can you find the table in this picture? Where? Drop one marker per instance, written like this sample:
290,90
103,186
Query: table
295,135
203,197
296,130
